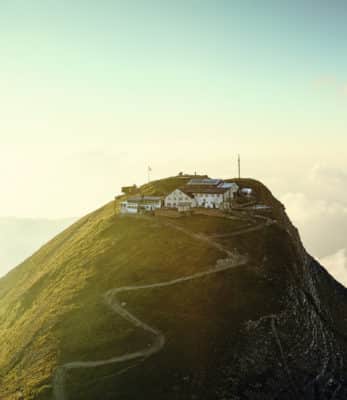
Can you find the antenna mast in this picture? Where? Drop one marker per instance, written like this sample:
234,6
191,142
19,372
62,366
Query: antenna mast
239,165
149,170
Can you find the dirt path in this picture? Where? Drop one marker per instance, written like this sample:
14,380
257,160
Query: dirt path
111,301
159,339
242,231
210,239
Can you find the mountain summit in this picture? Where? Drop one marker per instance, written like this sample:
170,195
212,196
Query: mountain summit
205,305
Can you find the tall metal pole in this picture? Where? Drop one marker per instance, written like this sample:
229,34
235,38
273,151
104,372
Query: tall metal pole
149,169
239,165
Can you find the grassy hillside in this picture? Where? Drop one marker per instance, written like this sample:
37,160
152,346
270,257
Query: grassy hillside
52,310
20,237
51,304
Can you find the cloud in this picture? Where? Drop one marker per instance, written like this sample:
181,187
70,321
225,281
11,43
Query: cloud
320,173
318,207
326,81
337,265
322,225
331,83
307,210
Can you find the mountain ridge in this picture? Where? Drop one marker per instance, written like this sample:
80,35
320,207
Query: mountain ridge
59,316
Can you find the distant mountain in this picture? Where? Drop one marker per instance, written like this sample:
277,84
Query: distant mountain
20,237
204,307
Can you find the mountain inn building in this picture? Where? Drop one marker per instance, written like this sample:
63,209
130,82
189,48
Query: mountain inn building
206,193
138,204
179,198
198,192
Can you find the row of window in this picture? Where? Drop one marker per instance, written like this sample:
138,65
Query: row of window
178,198
130,206
208,204
208,195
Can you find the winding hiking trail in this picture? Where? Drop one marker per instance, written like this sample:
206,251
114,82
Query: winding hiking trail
111,301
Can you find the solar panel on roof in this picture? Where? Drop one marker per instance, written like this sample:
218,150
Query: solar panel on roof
228,185
204,182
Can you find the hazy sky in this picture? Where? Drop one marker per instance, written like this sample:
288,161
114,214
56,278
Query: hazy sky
92,92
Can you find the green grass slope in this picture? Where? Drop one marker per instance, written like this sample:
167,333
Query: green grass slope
52,310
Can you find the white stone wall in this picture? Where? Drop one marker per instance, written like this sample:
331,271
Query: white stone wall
208,200
229,195
128,208
152,206
133,208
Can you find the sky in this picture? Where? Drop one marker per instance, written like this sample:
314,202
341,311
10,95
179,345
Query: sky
93,92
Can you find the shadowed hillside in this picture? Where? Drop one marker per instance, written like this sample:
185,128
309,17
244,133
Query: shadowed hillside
197,307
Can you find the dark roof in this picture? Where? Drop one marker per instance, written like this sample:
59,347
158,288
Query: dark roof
190,194
129,187
182,189
190,189
136,199
204,181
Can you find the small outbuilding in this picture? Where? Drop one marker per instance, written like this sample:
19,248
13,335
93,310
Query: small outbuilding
140,204
129,189
247,192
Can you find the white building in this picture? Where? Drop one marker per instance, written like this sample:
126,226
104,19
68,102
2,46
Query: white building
247,192
179,198
138,204
184,207
207,193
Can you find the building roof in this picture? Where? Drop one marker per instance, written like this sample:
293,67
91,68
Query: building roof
189,194
138,199
208,186
207,181
129,187
246,190
208,189
182,189
229,185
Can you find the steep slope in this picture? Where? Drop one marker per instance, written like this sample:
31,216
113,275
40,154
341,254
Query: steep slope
20,237
200,307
